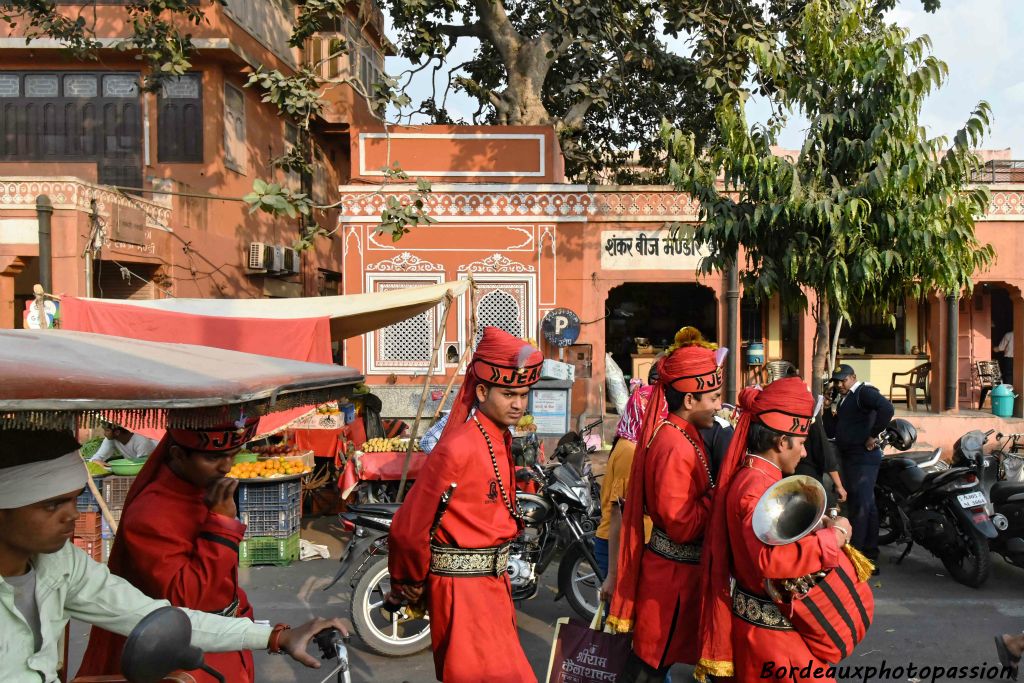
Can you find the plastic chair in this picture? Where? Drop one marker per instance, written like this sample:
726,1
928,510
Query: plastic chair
917,380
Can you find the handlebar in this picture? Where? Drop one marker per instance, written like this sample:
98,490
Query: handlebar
593,424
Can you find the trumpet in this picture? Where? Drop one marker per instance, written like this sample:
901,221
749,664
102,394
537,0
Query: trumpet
789,510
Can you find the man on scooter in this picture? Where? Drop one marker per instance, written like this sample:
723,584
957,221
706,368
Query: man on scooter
45,580
858,413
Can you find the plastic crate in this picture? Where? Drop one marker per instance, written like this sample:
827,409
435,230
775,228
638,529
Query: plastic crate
276,551
87,502
89,524
273,523
115,490
272,495
93,546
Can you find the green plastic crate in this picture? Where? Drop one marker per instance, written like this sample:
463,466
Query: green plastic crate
262,550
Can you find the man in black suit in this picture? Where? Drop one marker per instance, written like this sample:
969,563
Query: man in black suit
858,414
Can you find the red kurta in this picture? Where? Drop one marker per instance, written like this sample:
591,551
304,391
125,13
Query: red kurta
472,619
177,550
677,497
754,561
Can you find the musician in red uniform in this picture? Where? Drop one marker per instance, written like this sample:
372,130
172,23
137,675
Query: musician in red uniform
178,540
462,568
657,592
744,632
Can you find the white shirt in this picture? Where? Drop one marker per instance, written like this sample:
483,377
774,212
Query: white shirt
69,584
138,446
1006,345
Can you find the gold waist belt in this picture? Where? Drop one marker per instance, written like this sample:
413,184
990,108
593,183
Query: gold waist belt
661,544
465,562
758,611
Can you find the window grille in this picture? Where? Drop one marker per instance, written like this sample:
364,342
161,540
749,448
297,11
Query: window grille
503,308
406,345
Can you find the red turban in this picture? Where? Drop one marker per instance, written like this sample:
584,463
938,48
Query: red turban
787,407
219,439
500,359
689,370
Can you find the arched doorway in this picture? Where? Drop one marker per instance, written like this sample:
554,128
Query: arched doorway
655,311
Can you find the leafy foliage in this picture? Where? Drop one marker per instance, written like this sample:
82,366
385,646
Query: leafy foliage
871,209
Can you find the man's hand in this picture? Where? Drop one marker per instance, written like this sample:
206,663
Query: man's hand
403,593
220,497
608,588
294,641
840,493
871,443
841,527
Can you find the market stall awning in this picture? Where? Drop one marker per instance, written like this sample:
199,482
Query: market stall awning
52,378
350,315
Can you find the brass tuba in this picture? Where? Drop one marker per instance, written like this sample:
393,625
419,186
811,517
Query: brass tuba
789,510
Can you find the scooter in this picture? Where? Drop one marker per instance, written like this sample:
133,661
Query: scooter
1000,473
940,509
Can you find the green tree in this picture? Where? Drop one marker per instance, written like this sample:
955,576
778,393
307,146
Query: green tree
871,209
602,73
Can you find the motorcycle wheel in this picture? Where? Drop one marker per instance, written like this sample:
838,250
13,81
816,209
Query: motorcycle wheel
970,569
890,525
578,582
401,636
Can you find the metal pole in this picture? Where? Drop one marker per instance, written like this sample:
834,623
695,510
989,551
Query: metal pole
952,342
732,329
44,213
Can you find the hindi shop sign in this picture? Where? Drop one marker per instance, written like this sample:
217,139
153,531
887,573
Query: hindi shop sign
650,250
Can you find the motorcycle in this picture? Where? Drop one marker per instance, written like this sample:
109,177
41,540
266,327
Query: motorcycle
942,509
1001,474
556,520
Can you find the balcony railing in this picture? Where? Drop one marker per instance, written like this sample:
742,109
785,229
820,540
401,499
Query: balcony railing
1001,171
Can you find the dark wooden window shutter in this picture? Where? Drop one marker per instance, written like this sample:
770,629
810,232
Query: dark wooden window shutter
180,120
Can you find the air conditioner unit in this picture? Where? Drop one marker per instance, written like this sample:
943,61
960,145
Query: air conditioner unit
292,261
260,256
277,262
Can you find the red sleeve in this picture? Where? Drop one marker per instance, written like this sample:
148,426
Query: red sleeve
179,568
679,504
409,538
811,553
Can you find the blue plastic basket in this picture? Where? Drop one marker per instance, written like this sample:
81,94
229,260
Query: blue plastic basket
271,523
272,495
87,502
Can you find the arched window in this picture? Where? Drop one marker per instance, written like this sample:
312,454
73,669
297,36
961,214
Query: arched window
499,309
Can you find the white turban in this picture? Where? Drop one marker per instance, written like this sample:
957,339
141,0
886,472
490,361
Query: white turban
38,481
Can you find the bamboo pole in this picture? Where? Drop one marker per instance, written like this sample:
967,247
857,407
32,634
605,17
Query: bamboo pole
434,357
466,352
95,491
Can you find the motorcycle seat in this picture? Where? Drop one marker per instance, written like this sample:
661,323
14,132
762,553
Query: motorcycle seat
1003,491
379,509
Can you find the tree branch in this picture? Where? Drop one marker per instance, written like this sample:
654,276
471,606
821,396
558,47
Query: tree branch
495,24
473,30
573,119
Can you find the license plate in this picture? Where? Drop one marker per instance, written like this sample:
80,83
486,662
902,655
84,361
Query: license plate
972,500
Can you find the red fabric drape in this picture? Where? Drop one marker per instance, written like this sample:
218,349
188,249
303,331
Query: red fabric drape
306,339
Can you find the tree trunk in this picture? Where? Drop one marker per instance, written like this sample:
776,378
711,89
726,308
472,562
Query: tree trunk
821,342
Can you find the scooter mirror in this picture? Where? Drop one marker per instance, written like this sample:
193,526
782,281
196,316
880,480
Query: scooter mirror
158,645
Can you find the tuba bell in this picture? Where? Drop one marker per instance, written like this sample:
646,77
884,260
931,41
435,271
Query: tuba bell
789,510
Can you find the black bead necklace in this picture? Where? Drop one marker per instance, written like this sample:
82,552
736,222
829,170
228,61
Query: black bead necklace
516,513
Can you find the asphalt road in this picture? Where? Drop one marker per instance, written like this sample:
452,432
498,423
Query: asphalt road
922,618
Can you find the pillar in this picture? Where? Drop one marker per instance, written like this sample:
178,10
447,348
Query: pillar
1017,300
950,356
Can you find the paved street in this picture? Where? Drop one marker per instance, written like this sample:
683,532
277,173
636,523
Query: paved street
922,618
